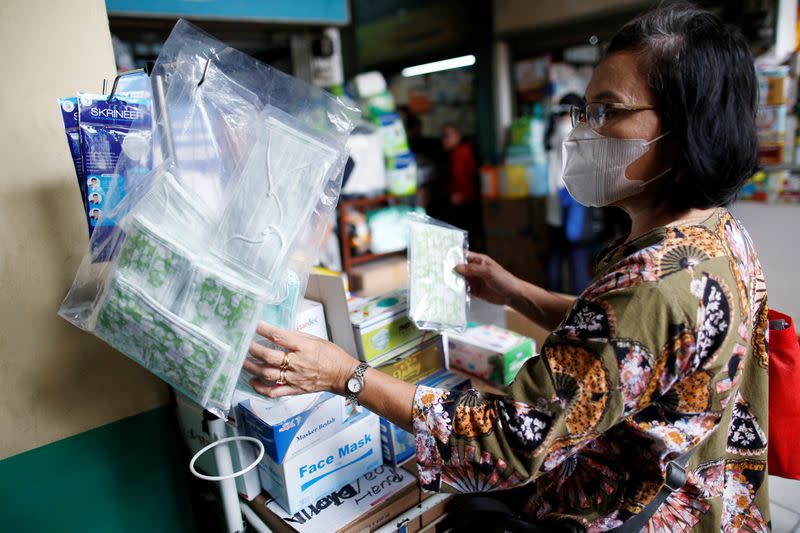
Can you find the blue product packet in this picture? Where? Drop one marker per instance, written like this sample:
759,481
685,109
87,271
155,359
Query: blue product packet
110,131
69,115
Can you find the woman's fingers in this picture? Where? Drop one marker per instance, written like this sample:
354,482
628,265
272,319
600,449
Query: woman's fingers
274,391
281,337
476,258
268,355
477,270
261,371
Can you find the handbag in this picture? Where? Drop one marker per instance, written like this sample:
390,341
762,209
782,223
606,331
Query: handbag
784,397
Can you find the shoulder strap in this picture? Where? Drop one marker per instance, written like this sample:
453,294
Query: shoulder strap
675,480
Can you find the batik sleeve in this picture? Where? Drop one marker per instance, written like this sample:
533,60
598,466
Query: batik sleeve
610,357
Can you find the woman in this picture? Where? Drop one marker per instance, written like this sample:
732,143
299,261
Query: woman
661,361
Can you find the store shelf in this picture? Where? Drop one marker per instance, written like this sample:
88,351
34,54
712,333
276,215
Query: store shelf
366,204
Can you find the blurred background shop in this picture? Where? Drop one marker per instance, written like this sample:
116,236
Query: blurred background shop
464,105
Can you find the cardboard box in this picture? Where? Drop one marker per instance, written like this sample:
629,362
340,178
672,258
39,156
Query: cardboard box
315,471
379,277
490,352
330,292
289,425
421,362
397,444
363,505
196,436
381,326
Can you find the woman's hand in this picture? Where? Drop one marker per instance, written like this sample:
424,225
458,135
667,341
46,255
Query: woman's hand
313,364
487,280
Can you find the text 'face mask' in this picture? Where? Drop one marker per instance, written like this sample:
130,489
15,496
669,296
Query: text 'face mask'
594,166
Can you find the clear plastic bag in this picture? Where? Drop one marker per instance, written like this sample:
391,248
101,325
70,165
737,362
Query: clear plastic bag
247,165
437,294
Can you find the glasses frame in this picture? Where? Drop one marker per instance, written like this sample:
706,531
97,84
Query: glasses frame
578,113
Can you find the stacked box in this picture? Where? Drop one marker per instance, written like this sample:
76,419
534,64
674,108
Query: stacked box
310,452
489,352
382,329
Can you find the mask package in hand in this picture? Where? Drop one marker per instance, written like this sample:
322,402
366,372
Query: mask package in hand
223,229
437,294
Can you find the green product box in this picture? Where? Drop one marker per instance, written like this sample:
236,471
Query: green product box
489,352
381,325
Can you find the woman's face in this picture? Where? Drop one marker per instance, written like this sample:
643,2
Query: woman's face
619,79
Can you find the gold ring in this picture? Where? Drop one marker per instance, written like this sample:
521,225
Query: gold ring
285,363
281,378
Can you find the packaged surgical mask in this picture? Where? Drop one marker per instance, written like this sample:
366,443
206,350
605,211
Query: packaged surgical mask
437,294
212,218
273,193
110,131
69,114
593,166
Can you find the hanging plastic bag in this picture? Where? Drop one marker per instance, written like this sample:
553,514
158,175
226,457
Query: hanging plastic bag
437,294
216,232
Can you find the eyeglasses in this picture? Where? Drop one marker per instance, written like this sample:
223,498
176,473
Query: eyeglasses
597,113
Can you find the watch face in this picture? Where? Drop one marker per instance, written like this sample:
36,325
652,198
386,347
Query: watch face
354,385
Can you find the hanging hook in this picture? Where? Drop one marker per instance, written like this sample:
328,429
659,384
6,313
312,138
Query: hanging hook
116,80
205,70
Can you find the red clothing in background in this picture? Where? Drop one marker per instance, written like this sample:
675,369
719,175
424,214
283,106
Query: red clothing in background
461,185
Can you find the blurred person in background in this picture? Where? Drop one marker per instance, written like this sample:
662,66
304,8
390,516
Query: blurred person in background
461,184
646,408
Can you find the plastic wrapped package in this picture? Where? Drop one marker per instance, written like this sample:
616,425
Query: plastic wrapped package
246,171
437,294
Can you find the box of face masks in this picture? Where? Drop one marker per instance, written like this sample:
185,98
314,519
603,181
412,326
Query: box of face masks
489,352
305,476
398,445
381,325
289,425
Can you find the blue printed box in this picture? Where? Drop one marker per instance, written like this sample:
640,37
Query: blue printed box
323,467
289,425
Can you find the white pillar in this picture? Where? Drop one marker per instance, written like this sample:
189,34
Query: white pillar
785,34
503,91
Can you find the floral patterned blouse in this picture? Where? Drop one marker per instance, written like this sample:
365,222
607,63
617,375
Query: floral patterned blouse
665,351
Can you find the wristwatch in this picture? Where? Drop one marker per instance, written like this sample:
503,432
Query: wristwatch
355,384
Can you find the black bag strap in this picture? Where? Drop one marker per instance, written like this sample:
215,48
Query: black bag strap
502,517
675,480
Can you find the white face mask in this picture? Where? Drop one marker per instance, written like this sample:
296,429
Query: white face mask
593,166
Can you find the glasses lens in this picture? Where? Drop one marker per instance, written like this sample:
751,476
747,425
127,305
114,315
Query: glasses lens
575,115
596,113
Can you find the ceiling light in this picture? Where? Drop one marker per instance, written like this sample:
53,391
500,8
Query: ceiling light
436,66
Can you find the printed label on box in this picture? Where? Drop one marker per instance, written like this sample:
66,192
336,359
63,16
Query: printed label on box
344,505
325,466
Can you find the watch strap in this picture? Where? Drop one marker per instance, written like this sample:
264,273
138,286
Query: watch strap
359,372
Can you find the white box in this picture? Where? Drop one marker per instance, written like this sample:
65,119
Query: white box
196,435
359,506
307,475
291,424
310,319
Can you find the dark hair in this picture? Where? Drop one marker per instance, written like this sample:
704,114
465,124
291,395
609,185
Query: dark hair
704,80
